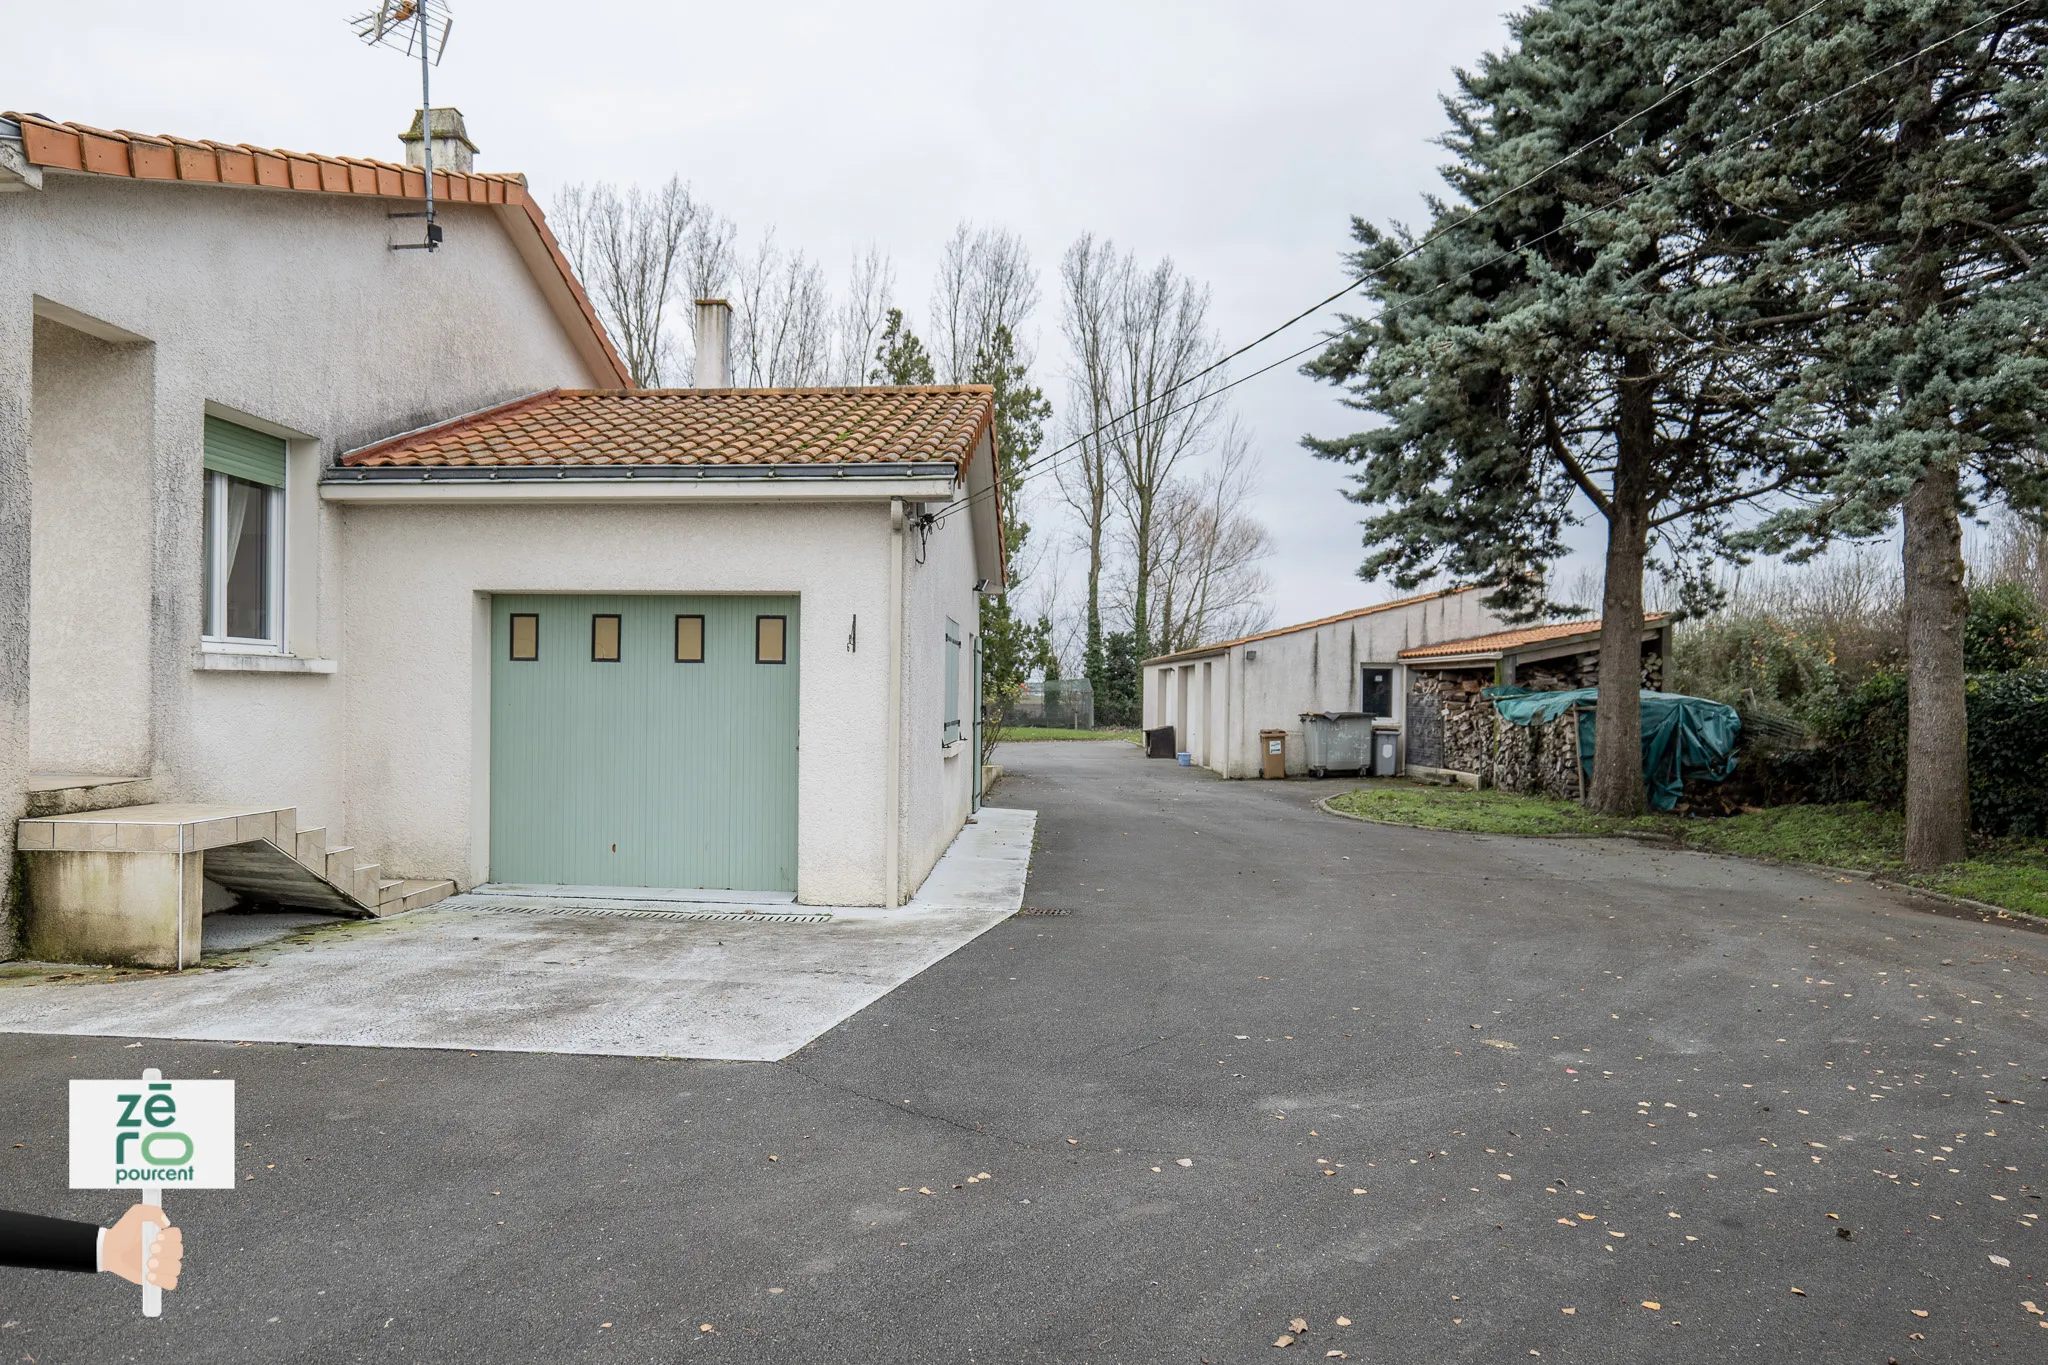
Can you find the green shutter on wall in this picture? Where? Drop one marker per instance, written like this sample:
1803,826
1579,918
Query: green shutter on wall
952,680
243,453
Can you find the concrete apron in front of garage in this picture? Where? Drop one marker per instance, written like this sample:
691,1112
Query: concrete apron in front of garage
475,973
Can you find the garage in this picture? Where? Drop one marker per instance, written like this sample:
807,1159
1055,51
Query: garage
646,741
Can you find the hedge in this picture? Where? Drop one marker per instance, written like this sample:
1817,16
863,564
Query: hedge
1861,753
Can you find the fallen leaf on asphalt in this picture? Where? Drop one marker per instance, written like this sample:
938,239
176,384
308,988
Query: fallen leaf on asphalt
1073,1142
1297,1325
706,1327
1917,1312
983,1175
2028,1304
1587,1217
775,1158
1800,1292
1652,1305
1283,1340
1346,1322
1505,1176
1182,1161
1335,1355
2001,1261
1569,1312
922,1190
1357,1191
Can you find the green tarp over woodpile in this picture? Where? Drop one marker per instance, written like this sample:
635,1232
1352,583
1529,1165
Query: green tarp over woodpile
1682,736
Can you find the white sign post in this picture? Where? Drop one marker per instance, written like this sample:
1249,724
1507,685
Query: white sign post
144,1135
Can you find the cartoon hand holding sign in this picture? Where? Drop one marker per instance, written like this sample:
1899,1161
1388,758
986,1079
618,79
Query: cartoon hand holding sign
143,1136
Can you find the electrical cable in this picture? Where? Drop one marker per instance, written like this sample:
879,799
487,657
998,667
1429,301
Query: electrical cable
1051,460
1425,241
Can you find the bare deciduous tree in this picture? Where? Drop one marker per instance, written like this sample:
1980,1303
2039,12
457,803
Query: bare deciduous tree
1143,342
871,289
1208,579
1087,275
782,320
633,251
986,280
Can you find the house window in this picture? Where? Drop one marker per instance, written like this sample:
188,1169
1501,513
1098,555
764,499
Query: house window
525,637
1376,697
604,639
952,734
689,639
771,639
244,536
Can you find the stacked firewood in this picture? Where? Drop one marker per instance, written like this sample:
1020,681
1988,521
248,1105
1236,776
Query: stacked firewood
1468,722
1541,758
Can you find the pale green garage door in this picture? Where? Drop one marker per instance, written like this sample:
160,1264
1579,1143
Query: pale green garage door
644,741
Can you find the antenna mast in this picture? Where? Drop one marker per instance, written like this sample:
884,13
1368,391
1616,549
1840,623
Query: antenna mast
410,26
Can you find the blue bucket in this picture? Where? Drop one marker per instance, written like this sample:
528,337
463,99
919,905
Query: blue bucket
1187,760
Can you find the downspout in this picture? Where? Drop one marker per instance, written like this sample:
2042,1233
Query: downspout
892,803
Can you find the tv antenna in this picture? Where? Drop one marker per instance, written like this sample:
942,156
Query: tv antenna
414,27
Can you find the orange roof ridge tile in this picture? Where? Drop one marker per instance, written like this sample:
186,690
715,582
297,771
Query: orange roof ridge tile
80,147
1524,635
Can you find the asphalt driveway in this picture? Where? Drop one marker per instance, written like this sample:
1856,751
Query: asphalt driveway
1482,1098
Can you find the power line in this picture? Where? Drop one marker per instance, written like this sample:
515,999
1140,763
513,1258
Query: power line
1424,242
1045,463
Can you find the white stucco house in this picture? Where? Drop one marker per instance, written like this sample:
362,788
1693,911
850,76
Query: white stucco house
1219,697
329,569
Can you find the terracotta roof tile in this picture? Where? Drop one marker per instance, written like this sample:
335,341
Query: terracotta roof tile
1502,641
141,156
573,427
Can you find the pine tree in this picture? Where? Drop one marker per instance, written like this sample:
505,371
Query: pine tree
900,358
1914,207
1560,334
1011,647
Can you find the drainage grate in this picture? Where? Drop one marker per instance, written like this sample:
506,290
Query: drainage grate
497,905
1041,910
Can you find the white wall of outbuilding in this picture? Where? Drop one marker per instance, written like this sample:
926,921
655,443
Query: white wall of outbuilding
1220,698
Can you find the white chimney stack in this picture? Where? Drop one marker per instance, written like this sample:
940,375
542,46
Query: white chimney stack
714,344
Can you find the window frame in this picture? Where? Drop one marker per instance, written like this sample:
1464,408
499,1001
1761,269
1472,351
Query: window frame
214,569
698,617
783,636
512,654
618,654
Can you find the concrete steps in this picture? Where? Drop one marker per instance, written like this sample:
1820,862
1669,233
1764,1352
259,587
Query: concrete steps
257,852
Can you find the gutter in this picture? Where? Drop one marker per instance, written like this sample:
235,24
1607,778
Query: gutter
912,482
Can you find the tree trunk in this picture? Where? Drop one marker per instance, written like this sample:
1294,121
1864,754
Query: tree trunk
1141,615
1617,786
1937,733
1091,658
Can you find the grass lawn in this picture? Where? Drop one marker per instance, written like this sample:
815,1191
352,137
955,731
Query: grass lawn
2012,873
1021,732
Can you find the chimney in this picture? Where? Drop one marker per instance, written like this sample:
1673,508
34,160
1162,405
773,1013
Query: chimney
453,151
714,344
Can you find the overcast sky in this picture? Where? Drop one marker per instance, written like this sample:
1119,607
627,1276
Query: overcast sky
1236,138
